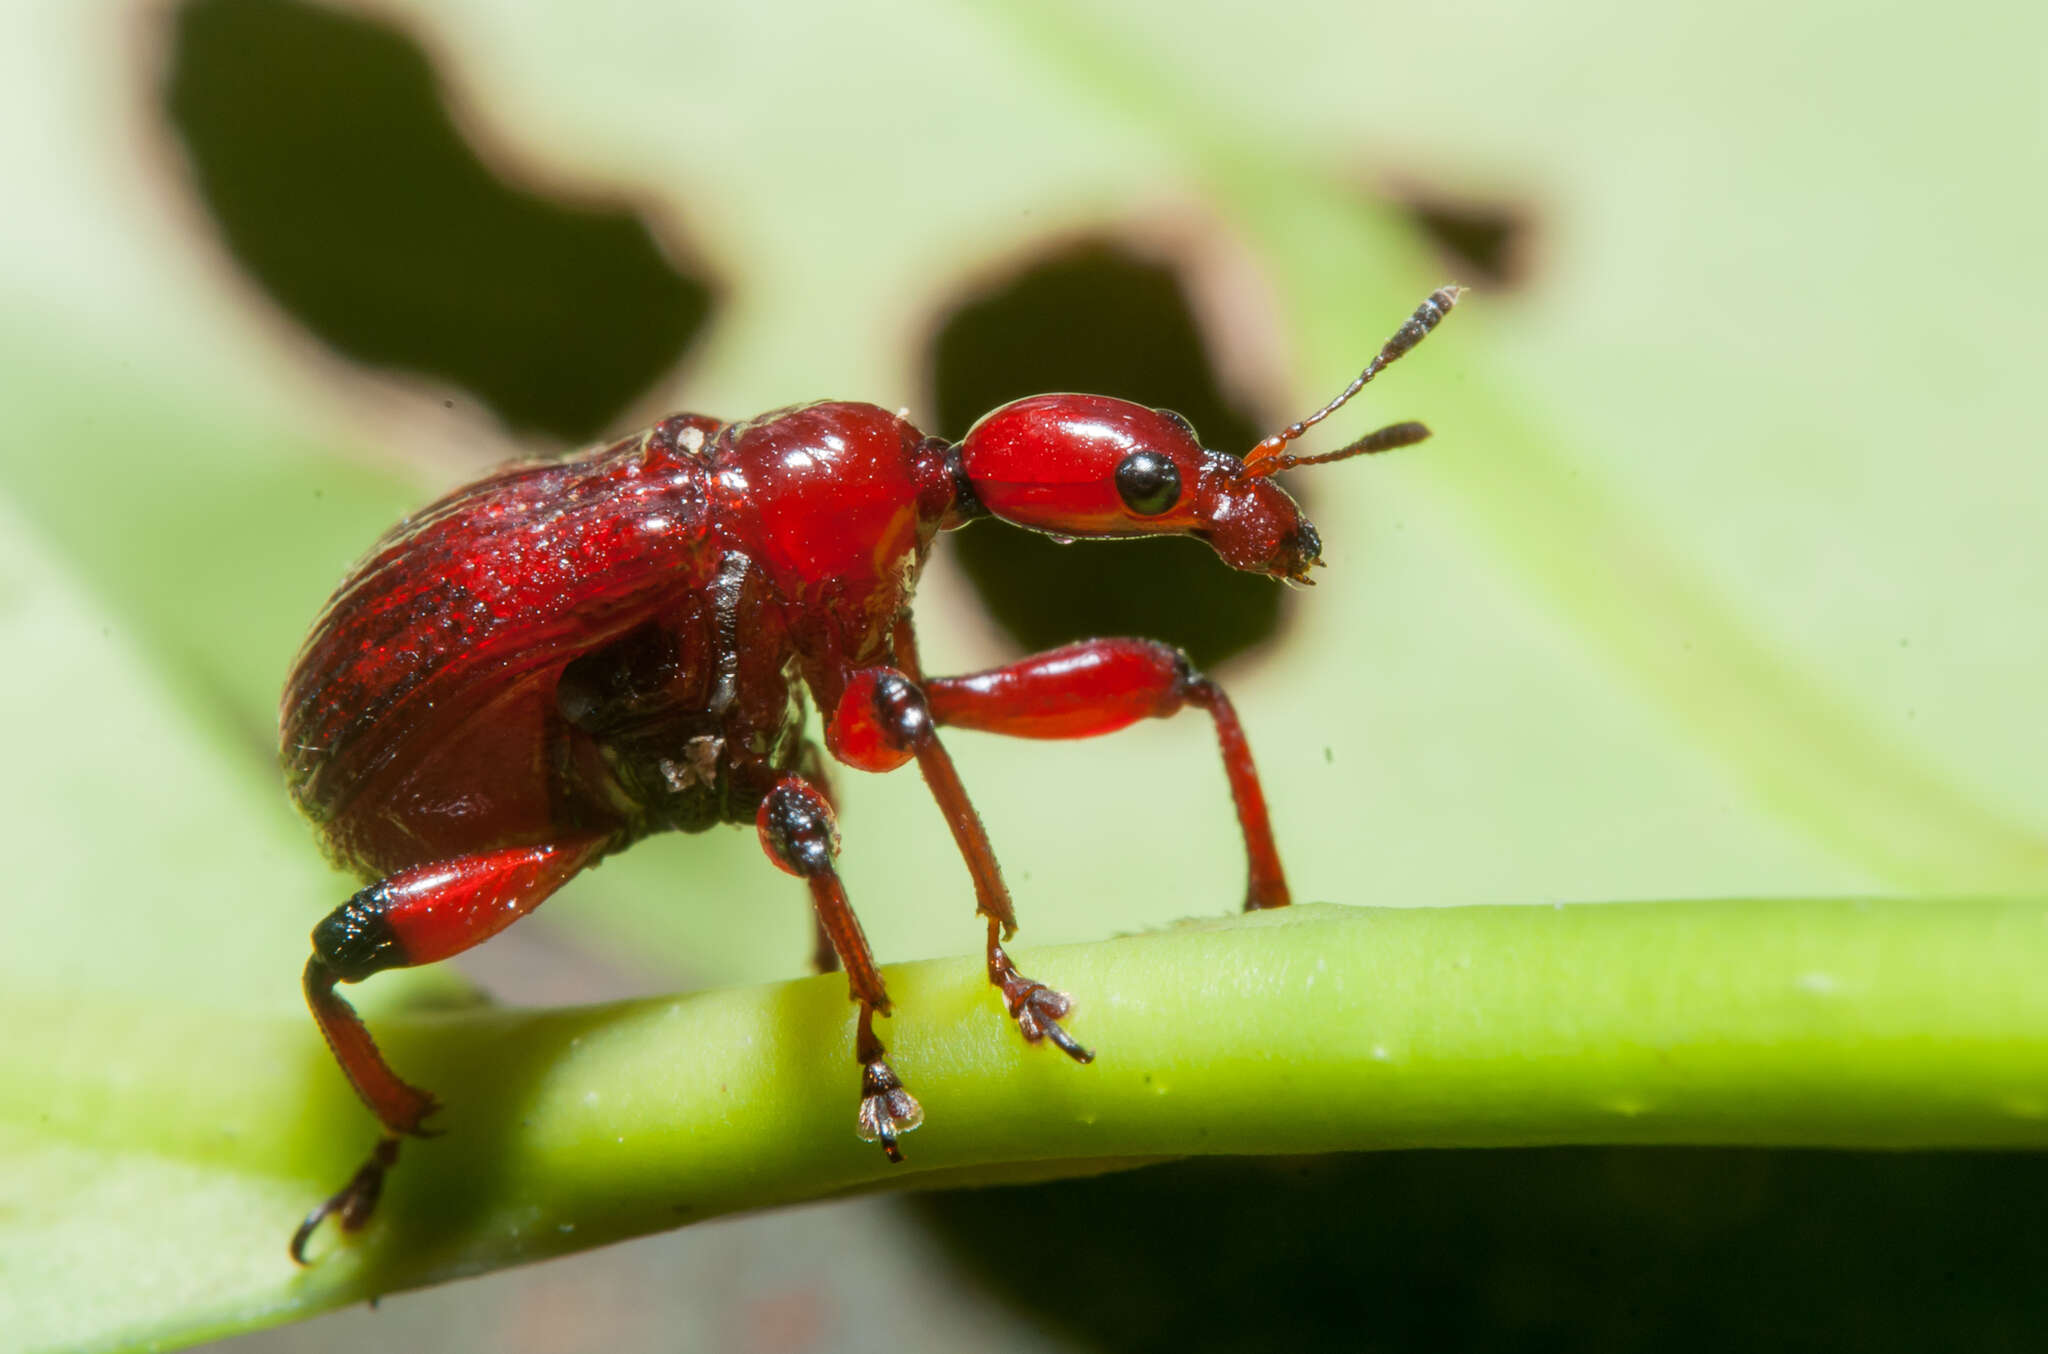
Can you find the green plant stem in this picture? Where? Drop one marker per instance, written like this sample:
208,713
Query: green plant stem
1806,1023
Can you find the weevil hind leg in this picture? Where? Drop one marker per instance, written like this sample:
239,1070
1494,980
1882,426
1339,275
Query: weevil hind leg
352,1204
417,916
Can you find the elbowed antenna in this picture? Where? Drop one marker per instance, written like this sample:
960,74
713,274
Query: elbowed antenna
1269,457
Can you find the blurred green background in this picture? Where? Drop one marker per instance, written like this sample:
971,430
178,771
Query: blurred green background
1723,574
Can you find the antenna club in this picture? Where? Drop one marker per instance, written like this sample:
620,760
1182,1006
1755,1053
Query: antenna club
1427,316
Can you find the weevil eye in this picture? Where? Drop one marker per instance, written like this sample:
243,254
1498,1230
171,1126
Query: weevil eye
1148,483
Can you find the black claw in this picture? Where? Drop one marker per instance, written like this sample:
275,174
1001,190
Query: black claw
305,1232
1037,1010
351,1205
1067,1043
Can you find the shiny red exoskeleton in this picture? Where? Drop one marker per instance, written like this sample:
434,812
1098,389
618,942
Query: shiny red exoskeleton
566,656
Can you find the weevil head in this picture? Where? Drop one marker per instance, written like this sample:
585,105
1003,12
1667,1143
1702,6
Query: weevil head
1088,465
1092,466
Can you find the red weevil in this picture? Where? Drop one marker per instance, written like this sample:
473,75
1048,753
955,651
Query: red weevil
568,655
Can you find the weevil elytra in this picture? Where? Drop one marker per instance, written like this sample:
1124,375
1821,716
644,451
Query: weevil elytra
566,656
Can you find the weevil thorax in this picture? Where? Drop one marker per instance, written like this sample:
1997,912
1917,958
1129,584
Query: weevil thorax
837,504
1093,466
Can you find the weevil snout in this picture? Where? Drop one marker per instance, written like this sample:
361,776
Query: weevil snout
1307,554
1255,525
1308,544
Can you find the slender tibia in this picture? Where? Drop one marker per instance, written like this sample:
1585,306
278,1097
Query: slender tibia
799,834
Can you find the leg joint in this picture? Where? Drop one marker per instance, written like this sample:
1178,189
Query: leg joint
900,711
881,722
357,939
797,828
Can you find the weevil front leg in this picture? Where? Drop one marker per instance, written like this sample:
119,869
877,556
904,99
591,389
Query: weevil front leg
420,915
882,721
800,835
1099,686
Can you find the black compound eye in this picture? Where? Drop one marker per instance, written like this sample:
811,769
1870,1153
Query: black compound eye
1147,483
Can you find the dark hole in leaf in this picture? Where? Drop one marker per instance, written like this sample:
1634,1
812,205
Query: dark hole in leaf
1096,318
323,146
1620,1250
1487,242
